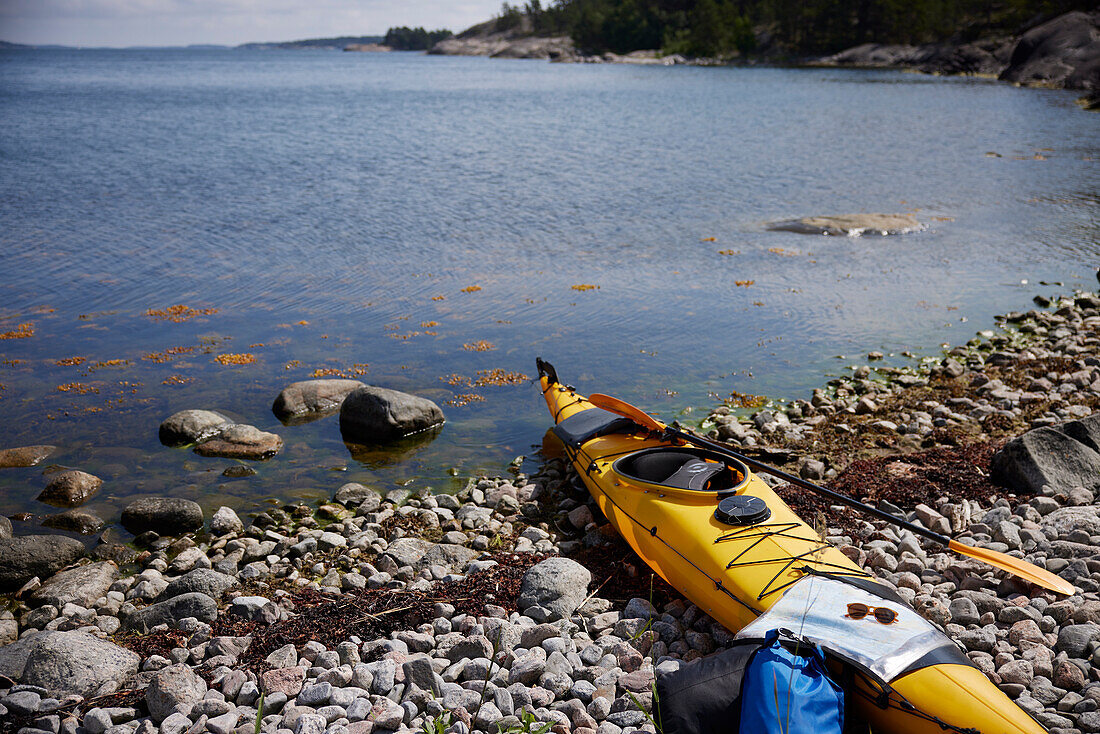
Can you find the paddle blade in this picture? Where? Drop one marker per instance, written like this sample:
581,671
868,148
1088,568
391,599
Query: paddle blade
625,409
1015,566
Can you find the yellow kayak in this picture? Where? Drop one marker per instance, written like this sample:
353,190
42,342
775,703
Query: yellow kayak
717,533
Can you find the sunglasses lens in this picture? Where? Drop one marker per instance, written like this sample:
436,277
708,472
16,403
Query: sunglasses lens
858,611
886,616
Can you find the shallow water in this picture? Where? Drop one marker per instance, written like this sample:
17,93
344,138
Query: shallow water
332,206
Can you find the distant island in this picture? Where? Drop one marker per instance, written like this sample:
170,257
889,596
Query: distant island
333,44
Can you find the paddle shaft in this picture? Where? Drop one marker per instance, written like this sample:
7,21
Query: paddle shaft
800,482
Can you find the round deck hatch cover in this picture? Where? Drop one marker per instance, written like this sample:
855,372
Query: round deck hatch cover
742,509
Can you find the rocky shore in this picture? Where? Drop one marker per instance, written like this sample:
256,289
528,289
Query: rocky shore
1063,52
513,605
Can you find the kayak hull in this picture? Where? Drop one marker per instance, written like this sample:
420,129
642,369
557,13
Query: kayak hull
737,574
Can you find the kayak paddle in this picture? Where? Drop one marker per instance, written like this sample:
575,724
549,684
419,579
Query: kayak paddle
1015,566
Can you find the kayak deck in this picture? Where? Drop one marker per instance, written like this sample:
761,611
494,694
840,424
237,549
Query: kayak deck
736,573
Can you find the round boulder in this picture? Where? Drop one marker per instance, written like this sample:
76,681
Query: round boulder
173,686
191,426
301,402
376,415
557,585
28,556
70,488
164,515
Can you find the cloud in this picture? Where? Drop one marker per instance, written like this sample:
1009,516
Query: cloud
180,22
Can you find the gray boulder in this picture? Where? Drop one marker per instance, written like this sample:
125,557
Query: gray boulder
225,521
407,551
27,556
1045,456
201,580
191,426
1063,52
171,611
376,415
241,441
70,488
558,585
354,494
301,402
5,528
76,520
68,662
81,585
1086,430
164,515
176,685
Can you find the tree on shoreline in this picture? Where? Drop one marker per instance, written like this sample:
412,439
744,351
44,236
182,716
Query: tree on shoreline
404,38
725,28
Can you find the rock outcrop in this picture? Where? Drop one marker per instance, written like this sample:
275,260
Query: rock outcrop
514,43
1063,52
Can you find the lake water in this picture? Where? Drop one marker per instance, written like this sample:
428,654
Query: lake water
389,209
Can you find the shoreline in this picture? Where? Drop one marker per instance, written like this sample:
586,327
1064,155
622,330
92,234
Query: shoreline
211,621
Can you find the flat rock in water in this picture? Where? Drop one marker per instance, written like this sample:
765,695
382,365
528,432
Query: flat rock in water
851,225
377,415
76,520
23,456
164,515
81,585
301,402
70,488
241,441
1045,456
27,556
191,426
68,662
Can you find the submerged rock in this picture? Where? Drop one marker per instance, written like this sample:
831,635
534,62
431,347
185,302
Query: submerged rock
23,456
27,556
80,521
301,402
377,415
70,488
851,225
164,515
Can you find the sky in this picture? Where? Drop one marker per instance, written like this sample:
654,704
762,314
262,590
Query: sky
228,22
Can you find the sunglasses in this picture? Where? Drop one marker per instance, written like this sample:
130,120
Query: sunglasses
881,614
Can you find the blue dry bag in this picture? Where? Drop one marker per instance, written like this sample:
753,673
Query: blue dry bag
785,693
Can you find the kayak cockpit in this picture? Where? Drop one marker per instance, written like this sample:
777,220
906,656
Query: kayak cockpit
684,468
